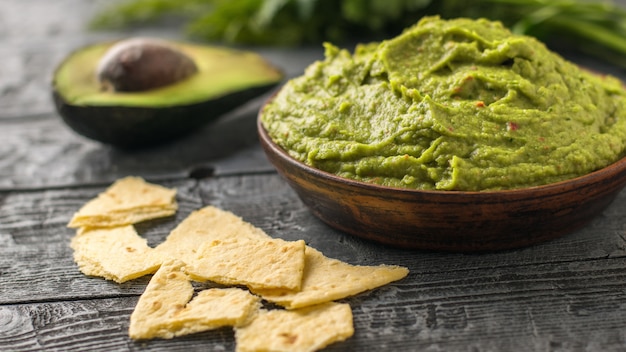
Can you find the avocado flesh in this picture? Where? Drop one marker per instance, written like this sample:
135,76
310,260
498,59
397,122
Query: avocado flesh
226,78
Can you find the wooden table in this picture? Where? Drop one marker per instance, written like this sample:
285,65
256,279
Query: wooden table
565,295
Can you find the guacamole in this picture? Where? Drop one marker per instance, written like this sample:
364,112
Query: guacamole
450,105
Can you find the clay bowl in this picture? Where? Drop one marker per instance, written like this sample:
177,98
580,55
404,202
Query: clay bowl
448,220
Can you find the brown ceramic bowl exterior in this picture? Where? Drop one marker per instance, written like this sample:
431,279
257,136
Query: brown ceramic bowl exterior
449,220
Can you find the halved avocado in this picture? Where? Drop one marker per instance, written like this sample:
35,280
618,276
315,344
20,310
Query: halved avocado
225,79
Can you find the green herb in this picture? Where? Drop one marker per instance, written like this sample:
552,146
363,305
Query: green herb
598,25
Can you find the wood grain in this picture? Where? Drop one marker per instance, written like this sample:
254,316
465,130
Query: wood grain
40,152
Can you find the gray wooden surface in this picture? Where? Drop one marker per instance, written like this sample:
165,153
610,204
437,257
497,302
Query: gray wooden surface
565,295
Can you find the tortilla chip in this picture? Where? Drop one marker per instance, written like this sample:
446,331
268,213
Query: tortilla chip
206,225
164,310
127,201
261,263
117,253
300,330
327,279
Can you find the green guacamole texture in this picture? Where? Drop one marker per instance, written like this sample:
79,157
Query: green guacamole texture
459,104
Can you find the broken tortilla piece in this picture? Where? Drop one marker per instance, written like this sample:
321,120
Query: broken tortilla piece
127,201
206,225
301,330
260,263
327,279
166,308
116,253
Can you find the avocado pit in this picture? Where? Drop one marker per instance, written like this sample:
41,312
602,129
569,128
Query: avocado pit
140,64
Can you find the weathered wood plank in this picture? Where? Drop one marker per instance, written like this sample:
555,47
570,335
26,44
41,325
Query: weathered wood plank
42,152
40,216
97,325
526,313
35,250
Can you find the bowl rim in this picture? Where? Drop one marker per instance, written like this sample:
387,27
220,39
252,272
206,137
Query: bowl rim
554,187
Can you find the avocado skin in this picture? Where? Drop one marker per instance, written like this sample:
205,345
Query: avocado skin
225,79
140,127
